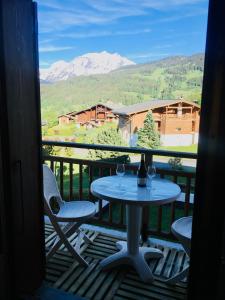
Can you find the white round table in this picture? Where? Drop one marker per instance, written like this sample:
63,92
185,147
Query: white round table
124,189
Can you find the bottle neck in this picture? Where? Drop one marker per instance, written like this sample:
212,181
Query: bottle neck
142,158
142,166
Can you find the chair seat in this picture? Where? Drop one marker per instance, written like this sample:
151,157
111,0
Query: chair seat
75,211
182,228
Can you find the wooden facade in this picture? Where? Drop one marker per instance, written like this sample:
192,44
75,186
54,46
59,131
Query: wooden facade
177,121
94,116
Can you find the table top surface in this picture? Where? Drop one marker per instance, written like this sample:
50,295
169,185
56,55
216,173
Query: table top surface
125,189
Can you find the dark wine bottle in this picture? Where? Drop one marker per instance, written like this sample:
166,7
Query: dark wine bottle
142,173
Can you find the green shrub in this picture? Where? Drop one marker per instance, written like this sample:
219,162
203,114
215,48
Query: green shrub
175,163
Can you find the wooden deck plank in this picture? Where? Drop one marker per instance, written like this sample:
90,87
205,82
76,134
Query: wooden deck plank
144,289
118,284
120,298
162,261
103,249
161,284
98,287
115,285
170,263
72,278
105,291
83,276
66,275
150,293
92,283
131,295
178,264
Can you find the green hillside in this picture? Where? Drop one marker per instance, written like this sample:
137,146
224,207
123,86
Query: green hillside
169,78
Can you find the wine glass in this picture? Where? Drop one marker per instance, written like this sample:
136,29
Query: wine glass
151,173
120,171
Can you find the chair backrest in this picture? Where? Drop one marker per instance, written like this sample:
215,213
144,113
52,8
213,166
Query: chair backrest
50,189
182,229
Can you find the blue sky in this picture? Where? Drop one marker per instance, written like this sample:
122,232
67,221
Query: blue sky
141,30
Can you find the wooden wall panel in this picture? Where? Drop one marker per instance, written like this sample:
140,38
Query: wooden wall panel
18,29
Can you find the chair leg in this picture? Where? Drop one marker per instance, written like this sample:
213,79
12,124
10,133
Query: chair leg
54,248
63,239
181,275
67,231
84,236
74,252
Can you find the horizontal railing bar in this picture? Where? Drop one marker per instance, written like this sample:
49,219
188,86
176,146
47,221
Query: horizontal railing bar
104,164
121,149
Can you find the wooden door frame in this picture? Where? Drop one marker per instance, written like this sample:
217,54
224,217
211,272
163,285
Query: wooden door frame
6,265
21,207
207,253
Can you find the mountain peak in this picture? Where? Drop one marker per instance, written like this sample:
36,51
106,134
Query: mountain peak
87,64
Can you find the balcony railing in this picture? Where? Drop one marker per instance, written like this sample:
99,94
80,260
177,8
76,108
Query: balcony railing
75,175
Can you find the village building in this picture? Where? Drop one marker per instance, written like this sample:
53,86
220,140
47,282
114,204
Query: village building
93,116
177,121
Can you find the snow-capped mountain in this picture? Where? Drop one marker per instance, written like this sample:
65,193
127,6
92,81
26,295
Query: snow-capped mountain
87,64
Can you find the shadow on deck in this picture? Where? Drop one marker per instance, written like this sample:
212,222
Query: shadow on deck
63,273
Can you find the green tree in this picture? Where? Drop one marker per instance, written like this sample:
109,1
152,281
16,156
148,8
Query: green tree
148,137
108,136
47,150
68,152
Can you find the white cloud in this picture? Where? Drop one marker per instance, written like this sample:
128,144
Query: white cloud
132,32
59,15
168,4
138,6
150,55
101,33
44,64
163,46
53,49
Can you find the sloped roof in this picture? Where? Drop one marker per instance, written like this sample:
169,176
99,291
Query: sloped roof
151,104
110,105
67,115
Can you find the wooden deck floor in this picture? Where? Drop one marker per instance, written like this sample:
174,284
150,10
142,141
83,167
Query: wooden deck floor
64,273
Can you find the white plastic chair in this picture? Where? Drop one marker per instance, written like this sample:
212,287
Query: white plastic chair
182,229
68,219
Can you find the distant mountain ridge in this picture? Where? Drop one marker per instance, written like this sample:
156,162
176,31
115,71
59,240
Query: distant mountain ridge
168,78
87,64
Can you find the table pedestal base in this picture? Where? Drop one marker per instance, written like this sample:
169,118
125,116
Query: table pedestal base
137,260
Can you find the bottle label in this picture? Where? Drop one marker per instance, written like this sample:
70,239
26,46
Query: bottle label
142,181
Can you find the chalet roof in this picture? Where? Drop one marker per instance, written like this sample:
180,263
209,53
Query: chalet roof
68,115
151,104
109,105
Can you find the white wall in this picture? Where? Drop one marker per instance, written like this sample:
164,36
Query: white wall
176,139
133,140
168,139
196,135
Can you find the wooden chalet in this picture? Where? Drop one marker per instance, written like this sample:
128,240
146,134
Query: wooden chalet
177,121
93,116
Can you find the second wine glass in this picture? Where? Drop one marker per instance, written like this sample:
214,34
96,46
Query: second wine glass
120,170
151,173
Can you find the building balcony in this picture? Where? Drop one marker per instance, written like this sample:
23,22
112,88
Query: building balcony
74,177
182,116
